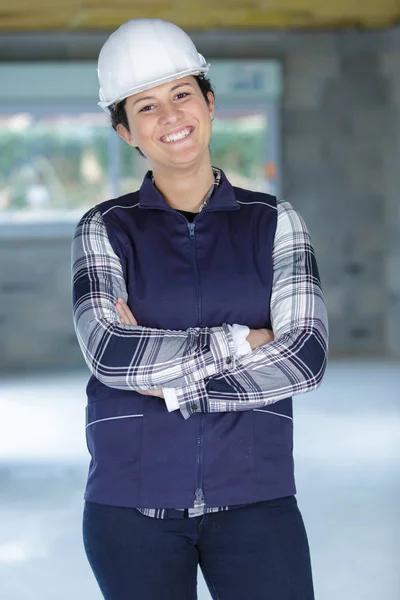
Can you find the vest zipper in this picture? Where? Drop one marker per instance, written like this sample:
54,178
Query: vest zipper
199,500
192,236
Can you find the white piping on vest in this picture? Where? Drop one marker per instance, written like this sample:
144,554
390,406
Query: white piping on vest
271,412
263,203
119,206
113,418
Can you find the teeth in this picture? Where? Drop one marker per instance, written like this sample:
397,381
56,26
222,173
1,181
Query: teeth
177,136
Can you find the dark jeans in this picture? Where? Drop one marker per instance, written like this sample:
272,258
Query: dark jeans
257,552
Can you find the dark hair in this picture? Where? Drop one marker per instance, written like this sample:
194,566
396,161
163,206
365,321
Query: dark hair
118,112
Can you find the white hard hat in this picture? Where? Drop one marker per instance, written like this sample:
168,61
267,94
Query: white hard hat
142,54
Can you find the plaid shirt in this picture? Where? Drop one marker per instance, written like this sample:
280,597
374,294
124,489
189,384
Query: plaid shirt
185,360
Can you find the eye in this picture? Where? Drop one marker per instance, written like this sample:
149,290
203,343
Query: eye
182,95
146,108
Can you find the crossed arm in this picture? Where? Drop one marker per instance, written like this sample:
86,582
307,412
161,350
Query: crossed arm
250,339
133,357
194,362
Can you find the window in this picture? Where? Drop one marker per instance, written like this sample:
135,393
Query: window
59,155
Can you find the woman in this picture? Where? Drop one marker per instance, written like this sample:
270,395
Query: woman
176,289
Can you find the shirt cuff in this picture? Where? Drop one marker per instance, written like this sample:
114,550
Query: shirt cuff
223,350
192,398
239,334
171,399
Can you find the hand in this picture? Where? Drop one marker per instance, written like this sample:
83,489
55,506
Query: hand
158,393
260,337
256,337
126,317
125,314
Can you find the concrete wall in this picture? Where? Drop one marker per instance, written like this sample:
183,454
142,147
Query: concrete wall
340,151
36,329
341,155
338,143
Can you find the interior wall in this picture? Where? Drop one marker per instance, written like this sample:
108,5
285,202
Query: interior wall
340,162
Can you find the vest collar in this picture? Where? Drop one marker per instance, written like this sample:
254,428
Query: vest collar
222,199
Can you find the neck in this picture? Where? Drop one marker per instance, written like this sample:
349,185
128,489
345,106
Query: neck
185,189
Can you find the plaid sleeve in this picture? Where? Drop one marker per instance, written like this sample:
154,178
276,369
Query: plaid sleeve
294,363
125,356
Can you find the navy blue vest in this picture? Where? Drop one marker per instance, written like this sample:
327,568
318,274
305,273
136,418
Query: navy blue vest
179,277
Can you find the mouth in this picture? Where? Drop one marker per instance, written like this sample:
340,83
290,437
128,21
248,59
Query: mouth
178,136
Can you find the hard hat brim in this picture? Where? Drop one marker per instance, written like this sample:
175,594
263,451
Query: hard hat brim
147,86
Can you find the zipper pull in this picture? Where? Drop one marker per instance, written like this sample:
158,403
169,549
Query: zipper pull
199,498
191,230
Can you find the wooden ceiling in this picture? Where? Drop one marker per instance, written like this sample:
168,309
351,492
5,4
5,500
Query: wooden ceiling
79,15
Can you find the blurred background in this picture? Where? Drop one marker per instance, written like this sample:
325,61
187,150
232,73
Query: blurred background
308,107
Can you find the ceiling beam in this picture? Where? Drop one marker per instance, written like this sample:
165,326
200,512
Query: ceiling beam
217,44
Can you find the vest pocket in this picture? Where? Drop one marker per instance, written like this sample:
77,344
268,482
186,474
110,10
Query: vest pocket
114,429
273,431
273,440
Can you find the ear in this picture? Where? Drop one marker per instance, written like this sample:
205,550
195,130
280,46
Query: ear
125,135
211,104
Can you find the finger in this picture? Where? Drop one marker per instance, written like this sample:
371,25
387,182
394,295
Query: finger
125,312
157,393
121,313
122,318
128,315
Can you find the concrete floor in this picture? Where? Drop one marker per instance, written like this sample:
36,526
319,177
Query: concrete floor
347,467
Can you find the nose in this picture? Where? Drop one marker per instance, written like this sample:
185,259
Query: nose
170,113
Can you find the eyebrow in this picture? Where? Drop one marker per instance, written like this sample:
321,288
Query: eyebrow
145,98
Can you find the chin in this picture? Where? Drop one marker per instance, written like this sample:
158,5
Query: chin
177,157
185,159
188,155
187,162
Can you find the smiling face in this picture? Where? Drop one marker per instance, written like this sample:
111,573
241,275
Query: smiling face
170,123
